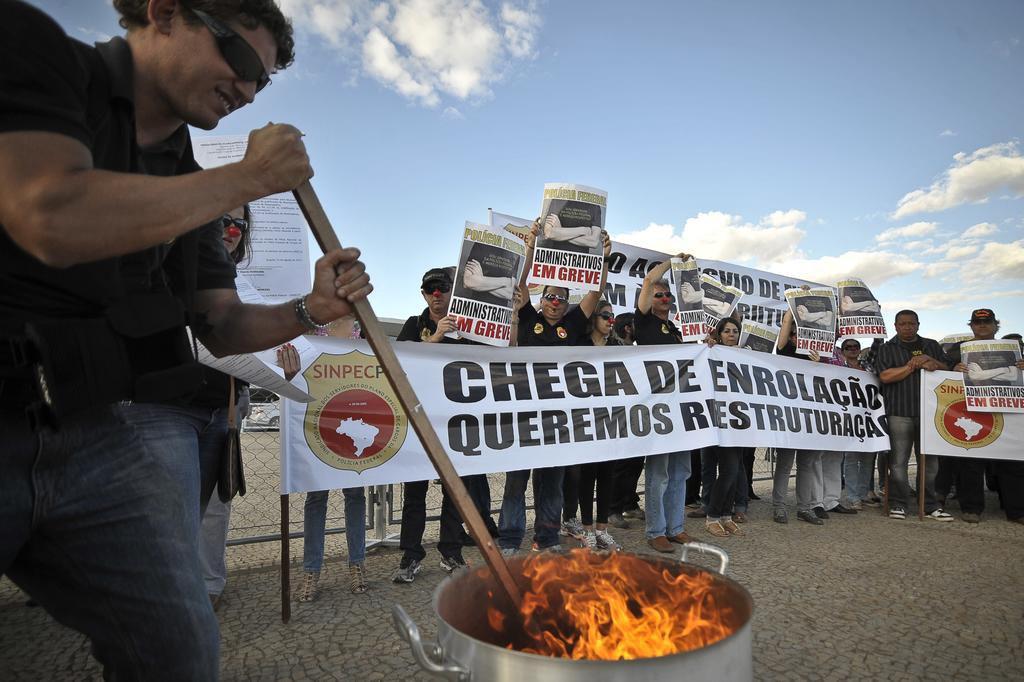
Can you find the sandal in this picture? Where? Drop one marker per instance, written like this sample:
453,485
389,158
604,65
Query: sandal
716,528
740,517
730,526
310,581
356,578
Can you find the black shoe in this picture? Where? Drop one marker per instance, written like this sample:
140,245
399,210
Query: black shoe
810,518
467,540
752,495
840,509
820,512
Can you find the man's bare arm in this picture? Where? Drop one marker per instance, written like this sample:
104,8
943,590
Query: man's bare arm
56,206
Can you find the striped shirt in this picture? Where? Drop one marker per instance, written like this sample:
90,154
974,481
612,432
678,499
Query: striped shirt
902,398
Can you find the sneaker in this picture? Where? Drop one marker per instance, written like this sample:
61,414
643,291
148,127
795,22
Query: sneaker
971,517
406,574
637,514
693,505
356,578
660,544
573,528
717,529
310,582
537,548
939,515
872,501
810,517
733,529
857,506
840,509
590,540
897,513
450,564
820,512
618,521
740,517
606,541
780,516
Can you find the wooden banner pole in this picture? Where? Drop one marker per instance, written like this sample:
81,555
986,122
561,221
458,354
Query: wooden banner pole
328,239
920,485
286,563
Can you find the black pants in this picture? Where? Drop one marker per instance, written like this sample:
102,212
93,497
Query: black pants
693,492
626,473
723,492
571,491
602,476
414,522
1011,487
968,474
748,468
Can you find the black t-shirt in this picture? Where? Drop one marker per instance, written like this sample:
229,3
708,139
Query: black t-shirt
535,330
651,330
421,327
52,83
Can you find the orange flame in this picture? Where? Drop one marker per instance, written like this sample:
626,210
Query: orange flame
588,605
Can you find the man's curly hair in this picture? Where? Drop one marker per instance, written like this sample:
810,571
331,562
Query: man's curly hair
249,13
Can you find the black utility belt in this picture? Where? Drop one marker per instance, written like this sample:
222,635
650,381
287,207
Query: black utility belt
138,350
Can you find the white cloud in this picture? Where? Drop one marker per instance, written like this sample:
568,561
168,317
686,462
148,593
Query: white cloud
947,133
452,114
979,230
425,50
919,229
996,262
917,245
971,179
958,252
941,300
727,237
874,267
939,269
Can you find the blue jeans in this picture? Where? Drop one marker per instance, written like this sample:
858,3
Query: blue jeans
94,529
547,501
189,443
665,493
904,435
314,521
857,468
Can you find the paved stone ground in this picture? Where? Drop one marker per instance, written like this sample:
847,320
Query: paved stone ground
861,597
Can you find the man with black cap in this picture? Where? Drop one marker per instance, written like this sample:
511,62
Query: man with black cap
968,473
430,326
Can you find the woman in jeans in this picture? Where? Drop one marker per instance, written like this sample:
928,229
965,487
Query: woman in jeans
719,521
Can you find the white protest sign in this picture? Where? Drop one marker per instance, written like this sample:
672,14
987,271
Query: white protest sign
949,428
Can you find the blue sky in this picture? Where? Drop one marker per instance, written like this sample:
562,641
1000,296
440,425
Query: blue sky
821,140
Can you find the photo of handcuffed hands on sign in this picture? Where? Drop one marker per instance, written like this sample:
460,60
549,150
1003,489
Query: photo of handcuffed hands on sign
814,310
993,376
569,245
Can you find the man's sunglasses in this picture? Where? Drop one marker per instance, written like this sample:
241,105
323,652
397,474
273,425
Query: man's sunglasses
554,297
237,52
607,317
664,294
436,288
851,347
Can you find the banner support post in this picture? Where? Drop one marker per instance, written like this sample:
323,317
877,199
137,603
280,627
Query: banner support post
286,563
920,485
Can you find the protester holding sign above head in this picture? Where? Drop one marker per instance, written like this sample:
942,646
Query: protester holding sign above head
665,475
100,199
968,473
553,325
430,326
897,362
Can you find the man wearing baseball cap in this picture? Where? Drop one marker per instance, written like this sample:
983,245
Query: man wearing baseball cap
968,473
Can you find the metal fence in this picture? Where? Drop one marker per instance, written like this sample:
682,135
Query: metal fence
257,516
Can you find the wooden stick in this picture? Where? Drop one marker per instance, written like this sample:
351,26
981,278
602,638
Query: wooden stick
286,563
328,239
920,485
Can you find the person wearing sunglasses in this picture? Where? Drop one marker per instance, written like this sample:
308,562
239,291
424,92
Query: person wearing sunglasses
101,258
555,324
430,327
665,475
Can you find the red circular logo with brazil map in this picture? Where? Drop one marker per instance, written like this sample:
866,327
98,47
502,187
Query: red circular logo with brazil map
356,424
959,426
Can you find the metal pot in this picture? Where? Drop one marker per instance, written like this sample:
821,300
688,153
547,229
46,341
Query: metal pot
459,655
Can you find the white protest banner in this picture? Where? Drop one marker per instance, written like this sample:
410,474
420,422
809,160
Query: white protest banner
279,266
719,301
953,339
569,248
490,264
689,299
759,337
521,408
860,314
948,428
814,311
993,381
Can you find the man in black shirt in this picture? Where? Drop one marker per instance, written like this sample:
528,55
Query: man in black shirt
665,475
897,363
99,200
553,325
430,326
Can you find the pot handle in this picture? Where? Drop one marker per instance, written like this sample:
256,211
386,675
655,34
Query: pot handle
408,631
705,548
